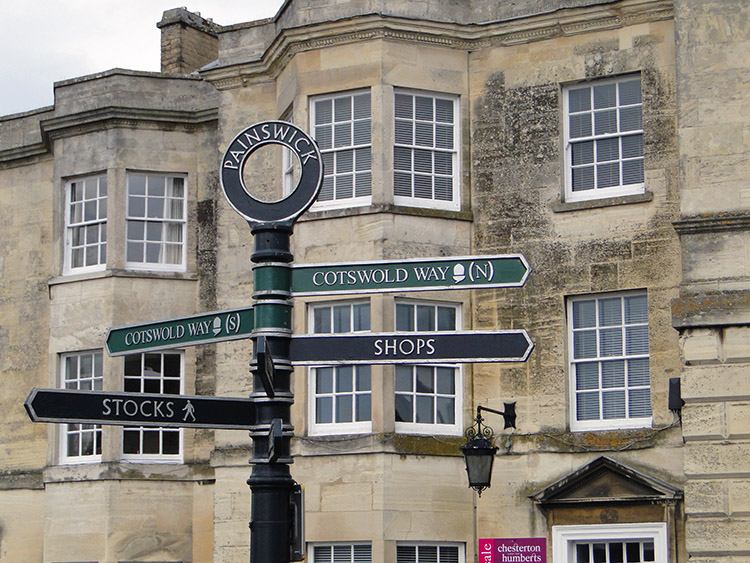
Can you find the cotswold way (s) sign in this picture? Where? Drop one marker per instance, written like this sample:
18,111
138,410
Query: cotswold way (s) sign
206,328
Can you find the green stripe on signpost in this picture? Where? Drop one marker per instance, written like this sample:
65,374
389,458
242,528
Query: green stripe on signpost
471,272
206,328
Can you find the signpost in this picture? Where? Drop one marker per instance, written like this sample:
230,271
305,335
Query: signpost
276,530
176,333
411,347
141,409
472,272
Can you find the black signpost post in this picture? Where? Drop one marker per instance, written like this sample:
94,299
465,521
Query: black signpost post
276,511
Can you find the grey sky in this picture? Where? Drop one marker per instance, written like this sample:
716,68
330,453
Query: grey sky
50,40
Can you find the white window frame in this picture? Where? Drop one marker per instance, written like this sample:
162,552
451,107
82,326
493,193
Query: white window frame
288,160
86,382
331,155
331,428
602,423
455,429
96,203
151,457
564,538
178,224
399,145
605,192
421,545
354,557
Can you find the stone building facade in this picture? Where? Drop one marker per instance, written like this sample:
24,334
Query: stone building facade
605,141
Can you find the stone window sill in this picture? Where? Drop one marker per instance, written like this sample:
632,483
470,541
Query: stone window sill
564,206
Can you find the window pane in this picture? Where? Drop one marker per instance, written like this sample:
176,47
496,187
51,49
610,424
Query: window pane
638,372
611,342
636,340
404,378
324,380
583,153
324,410
582,553
613,404
587,376
344,408
344,379
607,175
587,406
425,318
605,96
613,374
580,125
605,122
579,100
630,92
445,410
322,320
363,407
610,312
584,344
445,378
583,178
403,408
425,410
425,379
639,403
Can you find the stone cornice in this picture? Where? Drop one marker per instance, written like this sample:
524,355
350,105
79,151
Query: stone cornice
571,21
101,119
711,223
122,117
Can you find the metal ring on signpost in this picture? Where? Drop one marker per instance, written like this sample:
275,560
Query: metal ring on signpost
303,195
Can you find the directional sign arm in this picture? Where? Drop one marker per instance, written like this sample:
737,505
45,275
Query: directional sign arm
412,348
427,274
140,409
206,328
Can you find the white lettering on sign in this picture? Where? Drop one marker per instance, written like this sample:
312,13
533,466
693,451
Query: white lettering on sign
353,277
199,328
265,132
430,273
404,346
149,335
129,407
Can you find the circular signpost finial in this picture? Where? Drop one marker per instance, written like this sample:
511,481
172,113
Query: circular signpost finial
247,142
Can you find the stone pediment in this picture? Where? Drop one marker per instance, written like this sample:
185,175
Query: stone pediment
606,480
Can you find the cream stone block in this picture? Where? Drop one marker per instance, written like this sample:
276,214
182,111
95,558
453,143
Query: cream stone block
704,421
706,537
739,497
23,525
738,420
345,497
737,344
715,382
717,459
706,498
700,345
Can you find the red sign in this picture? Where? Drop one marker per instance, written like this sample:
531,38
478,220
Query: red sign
513,550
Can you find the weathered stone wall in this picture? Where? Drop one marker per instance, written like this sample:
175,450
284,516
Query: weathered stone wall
713,46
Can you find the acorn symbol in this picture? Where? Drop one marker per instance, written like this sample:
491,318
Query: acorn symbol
459,273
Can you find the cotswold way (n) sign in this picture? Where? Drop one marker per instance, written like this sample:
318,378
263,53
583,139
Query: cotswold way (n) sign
470,272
